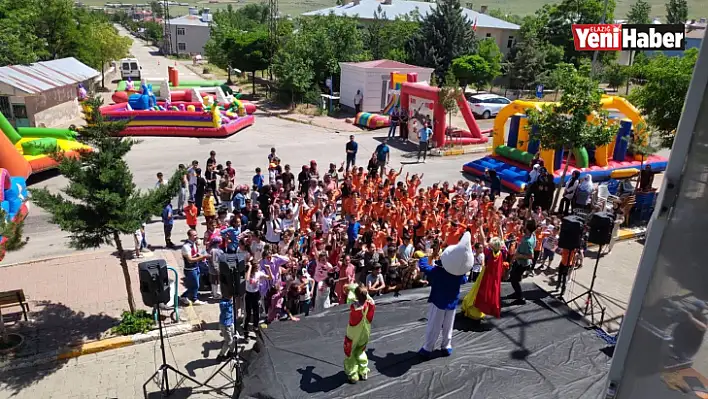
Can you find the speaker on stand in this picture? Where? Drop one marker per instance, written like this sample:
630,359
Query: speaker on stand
232,284
155,291
601,225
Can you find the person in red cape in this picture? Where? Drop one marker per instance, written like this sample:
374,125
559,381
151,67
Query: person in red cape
485,296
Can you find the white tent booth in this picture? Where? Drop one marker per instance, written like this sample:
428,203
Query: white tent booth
372,78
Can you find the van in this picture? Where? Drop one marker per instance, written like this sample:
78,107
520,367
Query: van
130,68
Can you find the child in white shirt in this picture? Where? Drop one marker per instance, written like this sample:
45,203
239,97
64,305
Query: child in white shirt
253,293
550,245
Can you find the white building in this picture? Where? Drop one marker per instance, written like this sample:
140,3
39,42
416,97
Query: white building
189,33
504,33
372,78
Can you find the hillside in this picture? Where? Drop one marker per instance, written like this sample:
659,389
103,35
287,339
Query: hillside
521,7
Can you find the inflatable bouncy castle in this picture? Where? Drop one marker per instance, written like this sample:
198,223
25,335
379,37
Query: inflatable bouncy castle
512,153
13,201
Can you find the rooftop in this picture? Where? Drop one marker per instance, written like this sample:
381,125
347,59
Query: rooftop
45,75
365,9
386,64
193,20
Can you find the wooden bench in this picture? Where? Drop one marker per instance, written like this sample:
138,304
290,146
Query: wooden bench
14,298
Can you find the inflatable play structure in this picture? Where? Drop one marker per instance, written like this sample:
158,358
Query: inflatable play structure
372,120
511,159
13,201
28,150
148,117
421,102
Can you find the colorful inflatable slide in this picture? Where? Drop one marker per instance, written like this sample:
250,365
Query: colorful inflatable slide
27,150
511,159
377,121
13,201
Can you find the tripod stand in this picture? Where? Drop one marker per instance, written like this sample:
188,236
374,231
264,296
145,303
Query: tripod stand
164,367
234,361
592,299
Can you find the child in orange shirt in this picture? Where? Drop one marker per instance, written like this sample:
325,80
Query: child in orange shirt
190,214
567,261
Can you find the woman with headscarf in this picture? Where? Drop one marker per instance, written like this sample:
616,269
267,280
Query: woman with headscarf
583,196
571,187
543,189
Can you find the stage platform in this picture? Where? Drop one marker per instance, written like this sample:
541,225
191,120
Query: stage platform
537,350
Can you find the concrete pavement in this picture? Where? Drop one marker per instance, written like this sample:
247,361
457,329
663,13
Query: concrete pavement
120,373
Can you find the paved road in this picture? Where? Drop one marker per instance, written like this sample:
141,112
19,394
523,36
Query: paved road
296,143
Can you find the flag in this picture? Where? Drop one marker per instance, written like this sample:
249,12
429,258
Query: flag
474,26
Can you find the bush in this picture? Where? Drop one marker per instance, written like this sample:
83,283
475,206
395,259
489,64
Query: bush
134,323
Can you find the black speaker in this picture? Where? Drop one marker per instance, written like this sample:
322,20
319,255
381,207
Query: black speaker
601,225
571,233
230,276
154,282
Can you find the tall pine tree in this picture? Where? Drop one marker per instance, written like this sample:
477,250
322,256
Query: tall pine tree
445,34
676,11
639,13
101,204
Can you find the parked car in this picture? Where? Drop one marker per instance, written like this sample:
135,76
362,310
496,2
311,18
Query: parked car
486,105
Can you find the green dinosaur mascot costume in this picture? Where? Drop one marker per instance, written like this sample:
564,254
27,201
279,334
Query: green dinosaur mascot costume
361,314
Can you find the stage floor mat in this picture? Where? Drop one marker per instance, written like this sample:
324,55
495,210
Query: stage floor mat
537,350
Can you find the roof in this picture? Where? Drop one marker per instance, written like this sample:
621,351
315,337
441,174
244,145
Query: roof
399,8
45,75
696,34
192,20
386,64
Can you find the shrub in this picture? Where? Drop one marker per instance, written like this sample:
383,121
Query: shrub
133,323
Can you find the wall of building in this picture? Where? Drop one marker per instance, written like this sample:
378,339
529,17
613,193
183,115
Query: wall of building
369,81
194,38
505,38
60,115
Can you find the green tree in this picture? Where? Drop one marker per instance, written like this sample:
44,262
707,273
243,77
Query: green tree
326,41
444,35
615,75
448,95
156,9
565,126
154,31
19,43
397,33
101,203
57,26
504,16
663,94
374,40
103,45
639,13
472,69
677,12
294,70
249,51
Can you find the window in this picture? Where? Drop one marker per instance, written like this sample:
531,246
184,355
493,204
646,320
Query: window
181,46
126,66
489,35
180,31
20,111
133,66
510,42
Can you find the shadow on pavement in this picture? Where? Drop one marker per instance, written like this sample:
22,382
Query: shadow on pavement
52,327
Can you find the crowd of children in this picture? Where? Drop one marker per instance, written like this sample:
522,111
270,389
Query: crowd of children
304,238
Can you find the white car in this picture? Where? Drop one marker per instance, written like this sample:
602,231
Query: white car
486,105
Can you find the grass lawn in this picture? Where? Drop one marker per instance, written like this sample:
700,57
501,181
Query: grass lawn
520,7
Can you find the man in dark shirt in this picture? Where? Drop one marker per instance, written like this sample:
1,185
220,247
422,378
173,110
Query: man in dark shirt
352,147
211,159
288,179
200,190
303,179
210,175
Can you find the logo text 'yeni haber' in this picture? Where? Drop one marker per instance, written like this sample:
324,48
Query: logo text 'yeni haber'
615,37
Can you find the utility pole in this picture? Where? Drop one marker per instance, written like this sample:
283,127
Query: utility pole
167,39
594,71
272,32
